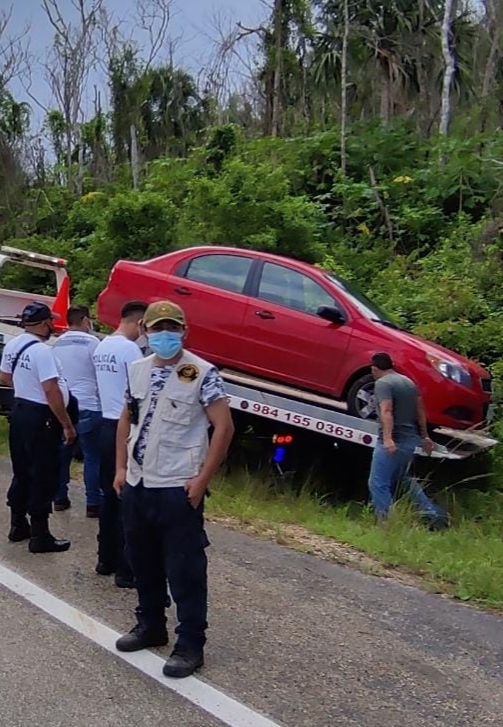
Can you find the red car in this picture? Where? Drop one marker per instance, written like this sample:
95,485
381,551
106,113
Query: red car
294,323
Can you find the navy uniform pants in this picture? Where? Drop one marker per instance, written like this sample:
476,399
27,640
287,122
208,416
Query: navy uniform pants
165,539
34,440
111,546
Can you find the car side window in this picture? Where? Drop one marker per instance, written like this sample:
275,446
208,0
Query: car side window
222,271
279,284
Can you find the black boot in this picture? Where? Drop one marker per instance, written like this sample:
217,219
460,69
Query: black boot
42,541
141,638
183,662
19,528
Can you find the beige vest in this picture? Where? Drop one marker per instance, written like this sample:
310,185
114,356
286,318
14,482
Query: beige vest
177,439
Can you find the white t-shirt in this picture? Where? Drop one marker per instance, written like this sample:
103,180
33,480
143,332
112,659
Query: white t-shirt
35,365
74,351
111,357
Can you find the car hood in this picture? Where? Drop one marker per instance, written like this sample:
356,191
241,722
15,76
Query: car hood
434,349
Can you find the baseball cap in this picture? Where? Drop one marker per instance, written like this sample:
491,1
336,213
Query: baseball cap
37,313
163,310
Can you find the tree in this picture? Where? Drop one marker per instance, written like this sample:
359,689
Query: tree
72,57
449,63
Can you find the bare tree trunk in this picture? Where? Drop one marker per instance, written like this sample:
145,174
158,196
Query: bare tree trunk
494,17
278,67
386,93
135,164
384,209
344,86
450,66
80,170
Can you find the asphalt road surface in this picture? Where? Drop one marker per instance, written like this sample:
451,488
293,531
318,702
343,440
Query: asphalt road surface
302,641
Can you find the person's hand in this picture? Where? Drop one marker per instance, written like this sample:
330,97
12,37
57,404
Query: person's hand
427,445
390,446
69,435
119,481
195,489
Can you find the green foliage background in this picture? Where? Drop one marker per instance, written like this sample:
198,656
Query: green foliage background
414,224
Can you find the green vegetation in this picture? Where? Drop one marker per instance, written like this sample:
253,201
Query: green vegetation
465,561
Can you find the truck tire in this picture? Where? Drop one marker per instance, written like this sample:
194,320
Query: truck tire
360,399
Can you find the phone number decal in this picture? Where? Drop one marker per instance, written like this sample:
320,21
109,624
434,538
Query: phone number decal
298,420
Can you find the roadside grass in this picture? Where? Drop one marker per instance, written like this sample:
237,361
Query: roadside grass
465,561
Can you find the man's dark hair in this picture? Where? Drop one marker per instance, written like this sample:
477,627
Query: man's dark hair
76,314
134,306
382,361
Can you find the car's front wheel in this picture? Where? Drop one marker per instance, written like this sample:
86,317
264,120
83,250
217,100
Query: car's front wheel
361,398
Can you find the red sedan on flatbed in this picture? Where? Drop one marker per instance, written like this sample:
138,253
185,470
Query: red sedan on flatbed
294,323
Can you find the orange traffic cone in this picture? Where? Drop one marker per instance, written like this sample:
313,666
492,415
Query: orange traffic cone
61,305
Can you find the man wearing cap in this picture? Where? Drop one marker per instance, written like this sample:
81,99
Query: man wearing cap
164,466
111,357
39,423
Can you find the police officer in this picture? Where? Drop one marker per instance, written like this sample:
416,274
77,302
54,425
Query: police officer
74,350
38,424
167,464
111,357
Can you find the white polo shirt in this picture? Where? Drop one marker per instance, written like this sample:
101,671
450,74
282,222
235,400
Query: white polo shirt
35,366
111,357
74,350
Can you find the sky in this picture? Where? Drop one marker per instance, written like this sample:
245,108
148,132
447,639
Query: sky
192,26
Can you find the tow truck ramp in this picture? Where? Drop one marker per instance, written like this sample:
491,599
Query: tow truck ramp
292,407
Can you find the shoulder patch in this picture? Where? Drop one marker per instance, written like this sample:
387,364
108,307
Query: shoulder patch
187,373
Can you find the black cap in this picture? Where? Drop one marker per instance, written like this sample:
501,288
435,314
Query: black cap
36,313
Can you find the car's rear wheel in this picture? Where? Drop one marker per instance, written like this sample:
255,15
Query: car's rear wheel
361,399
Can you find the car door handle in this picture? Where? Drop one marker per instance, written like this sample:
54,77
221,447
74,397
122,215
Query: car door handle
183,291
264,314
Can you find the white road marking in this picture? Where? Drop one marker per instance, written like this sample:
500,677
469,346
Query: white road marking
228,710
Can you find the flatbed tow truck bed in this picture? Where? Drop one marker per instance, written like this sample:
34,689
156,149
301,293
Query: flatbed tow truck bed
293,407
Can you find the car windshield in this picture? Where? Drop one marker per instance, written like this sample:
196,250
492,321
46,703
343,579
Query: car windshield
366,307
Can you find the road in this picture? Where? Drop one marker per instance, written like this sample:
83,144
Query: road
305,642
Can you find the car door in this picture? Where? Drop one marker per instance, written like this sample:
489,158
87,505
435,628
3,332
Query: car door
283,336
209,287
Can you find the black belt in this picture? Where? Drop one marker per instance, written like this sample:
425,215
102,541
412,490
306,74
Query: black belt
27,404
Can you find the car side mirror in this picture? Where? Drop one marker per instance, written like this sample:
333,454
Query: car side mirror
331,313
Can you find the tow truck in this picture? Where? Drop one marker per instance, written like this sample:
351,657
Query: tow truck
284,408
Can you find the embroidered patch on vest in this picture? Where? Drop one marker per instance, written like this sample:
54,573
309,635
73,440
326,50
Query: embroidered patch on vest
187,373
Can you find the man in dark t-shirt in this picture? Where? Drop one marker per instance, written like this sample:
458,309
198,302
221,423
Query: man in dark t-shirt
402,428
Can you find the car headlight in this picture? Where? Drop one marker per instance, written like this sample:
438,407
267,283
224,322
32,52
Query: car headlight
454,372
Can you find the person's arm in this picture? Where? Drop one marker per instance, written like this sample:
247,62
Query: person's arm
57,405
219,414
427,444
6,369
384,400
123,429
387,423
5,378
49,376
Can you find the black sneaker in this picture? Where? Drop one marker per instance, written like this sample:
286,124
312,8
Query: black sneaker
140,638
183,663
104,569
61,505
47,544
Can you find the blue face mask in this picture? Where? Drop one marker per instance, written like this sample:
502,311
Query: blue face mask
166,344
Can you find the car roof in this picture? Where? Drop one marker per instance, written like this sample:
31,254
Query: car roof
270,257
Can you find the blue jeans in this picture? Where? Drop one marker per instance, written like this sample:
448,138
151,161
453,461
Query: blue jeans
389,471
88,430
